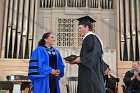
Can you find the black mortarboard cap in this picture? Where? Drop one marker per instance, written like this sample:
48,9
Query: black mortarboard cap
86,20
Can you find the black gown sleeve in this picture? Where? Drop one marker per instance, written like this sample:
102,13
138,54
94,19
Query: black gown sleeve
91,51
86,51
89,42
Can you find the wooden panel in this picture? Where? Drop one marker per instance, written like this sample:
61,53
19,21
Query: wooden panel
124,64
10,66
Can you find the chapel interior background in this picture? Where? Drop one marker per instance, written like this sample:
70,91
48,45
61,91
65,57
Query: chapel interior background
23,22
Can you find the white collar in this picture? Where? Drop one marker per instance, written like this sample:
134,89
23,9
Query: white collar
88,34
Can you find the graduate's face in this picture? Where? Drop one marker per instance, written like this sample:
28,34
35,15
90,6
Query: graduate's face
50,40
83,29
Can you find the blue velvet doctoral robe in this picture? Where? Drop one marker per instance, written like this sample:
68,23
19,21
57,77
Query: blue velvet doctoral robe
39,70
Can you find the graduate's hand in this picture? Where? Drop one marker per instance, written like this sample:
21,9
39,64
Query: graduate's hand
57,72
77,60
72,62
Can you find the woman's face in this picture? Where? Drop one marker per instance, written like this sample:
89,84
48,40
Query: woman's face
50,40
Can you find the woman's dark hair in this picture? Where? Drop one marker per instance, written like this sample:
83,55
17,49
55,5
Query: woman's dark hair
42,40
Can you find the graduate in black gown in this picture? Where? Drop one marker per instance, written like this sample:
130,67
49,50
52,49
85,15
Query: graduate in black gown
132,79
90,74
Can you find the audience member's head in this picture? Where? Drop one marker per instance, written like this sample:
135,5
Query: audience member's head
135,65
106,69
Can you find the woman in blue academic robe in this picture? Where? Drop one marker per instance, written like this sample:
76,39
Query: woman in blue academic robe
46,66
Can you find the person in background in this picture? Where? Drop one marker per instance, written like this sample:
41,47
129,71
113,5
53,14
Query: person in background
110,80
90,72
46,66
132,79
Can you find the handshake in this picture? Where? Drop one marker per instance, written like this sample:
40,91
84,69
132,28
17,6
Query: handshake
55,72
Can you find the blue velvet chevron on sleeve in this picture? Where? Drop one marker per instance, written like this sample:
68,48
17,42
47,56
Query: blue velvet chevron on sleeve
39,64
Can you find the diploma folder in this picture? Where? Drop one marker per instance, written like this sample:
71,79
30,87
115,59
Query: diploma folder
70,58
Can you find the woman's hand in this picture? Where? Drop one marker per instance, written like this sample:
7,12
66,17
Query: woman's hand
57,72
53,72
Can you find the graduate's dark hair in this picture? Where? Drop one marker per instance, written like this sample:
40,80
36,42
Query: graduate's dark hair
90,26
42,40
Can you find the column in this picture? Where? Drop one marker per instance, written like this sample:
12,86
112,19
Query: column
133,25
127,26
20,16
86,3
5,26
122,27
138,23
99,4
66,4
9,42
14,24
25,25
31,22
